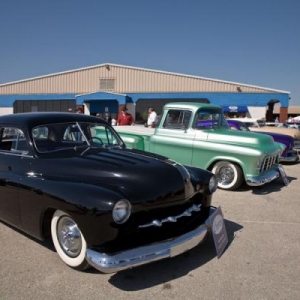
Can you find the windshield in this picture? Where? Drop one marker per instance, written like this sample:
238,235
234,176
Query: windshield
209,118
53,137
243,127
237,125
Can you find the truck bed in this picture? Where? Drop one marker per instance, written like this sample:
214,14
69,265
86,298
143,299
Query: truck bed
138,129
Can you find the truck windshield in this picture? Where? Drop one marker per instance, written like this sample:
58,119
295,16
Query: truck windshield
207,118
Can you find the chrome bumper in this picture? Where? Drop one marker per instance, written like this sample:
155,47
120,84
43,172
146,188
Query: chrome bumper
297,149
111,263
292,158
266,177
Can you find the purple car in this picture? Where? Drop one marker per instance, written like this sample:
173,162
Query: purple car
288,155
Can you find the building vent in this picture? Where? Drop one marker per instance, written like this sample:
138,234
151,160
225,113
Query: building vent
107,84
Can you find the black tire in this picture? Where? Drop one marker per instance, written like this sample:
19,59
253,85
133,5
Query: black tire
229,175
68,241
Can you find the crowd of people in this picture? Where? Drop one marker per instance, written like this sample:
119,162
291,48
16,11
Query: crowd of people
126,119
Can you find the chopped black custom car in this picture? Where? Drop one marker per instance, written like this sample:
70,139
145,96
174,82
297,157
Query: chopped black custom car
70,177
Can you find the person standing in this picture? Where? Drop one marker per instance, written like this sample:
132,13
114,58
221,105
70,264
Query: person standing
113,120
152,118
125,118
79,110
107,118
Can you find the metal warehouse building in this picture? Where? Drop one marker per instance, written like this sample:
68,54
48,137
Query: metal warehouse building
109,87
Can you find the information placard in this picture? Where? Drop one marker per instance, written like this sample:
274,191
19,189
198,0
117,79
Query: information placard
218,230
283,175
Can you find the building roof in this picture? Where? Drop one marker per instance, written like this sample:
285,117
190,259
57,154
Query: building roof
109,65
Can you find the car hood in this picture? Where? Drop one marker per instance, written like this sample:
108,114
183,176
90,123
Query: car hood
295,133
246,138
136,175
278,137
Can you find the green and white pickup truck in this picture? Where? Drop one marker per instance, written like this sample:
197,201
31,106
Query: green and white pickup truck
197,134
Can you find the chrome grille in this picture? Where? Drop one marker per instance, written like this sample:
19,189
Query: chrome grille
172,219
268,162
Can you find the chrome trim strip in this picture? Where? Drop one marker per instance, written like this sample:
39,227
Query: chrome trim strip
111,263
33,174
186,213
292,158
22,154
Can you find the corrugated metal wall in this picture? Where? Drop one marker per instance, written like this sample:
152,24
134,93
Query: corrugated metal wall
126,80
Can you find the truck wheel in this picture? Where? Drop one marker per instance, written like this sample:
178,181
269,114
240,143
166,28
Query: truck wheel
229,175
68,241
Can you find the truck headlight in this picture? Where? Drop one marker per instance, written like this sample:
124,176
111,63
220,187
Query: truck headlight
213,184
121,211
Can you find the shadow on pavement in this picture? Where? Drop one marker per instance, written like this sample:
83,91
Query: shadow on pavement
268,188
162,272
272,187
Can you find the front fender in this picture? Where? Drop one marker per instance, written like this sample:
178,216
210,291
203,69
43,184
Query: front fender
90,206
235,160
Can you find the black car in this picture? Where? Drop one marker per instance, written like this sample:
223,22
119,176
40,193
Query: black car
70,176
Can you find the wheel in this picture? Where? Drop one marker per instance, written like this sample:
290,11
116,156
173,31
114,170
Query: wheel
68,241
229,175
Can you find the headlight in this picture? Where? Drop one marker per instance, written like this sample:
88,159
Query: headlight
213,184
121,211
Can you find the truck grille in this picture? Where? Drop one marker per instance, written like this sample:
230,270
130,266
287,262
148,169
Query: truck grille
268,162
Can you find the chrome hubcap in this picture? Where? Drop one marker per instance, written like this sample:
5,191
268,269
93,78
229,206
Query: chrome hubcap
69,236
225,175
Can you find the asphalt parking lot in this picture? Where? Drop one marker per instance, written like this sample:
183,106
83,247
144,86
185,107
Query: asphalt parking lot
262,260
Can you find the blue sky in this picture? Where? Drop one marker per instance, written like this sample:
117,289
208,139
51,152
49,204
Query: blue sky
254,42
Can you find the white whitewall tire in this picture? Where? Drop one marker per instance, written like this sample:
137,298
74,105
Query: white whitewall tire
229,175
68,240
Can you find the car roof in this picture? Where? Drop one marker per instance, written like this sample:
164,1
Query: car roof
247,120
33,119
190,105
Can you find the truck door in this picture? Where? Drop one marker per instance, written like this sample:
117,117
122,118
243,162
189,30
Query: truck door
173,138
